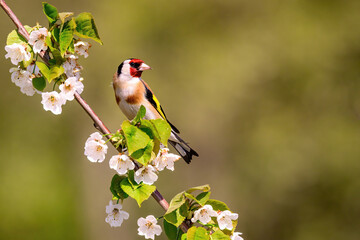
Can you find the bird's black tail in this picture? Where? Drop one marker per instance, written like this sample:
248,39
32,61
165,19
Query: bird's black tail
185,151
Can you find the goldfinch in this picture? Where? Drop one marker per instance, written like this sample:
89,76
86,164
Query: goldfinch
131,92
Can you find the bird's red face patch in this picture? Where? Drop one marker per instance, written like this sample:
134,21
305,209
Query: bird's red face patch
134,67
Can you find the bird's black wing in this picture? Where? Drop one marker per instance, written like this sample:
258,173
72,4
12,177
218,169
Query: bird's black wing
156,104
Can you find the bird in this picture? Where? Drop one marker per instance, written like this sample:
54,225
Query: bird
131,91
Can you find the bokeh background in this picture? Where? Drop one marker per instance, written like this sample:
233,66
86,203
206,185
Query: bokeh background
266,91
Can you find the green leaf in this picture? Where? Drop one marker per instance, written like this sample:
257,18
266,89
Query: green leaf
147,127
219,235
131,174
135,138
50,73
190,196
43,69
184,237
115,188
204,188
39,83
143,155
50,12
180,233
140,115
217,205
56,34
15,37
197,233
48,41
54,51
203,197
174,218
170,230
55,72
85,27
176,202
57,56
178,216
156,148
52,62
139,192
71,48
66,35
163,129
64,15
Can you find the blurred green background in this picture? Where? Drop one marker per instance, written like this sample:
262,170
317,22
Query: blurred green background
266,91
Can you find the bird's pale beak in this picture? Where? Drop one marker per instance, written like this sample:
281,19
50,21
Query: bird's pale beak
144,67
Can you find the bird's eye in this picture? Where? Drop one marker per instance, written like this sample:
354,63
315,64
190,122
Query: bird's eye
135,64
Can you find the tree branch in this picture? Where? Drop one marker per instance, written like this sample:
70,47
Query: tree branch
14,18
97,121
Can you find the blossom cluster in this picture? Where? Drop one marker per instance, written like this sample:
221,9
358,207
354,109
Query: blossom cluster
96,149
133,173
148,226
224,219
24,56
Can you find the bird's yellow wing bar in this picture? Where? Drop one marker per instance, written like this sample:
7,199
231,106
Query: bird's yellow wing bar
150,96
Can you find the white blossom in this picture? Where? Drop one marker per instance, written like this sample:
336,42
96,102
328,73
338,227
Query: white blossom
23,79
19,76
145,174
148,227
96,136
82,48
165,159
225,219
204,214
115,215
95,151
17,53
70,86
121,163
52,101
236,236
95,148
71,66
28,88
37,40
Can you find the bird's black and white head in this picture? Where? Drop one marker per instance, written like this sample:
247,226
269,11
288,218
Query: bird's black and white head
132,68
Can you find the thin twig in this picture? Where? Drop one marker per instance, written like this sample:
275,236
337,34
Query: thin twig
13,17
97,121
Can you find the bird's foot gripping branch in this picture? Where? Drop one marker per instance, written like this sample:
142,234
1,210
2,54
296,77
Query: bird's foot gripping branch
142,144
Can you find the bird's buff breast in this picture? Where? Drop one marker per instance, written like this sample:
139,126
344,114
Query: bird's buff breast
130,96
129,110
